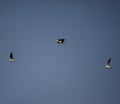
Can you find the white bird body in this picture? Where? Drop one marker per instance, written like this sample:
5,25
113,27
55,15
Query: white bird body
108,67
11,60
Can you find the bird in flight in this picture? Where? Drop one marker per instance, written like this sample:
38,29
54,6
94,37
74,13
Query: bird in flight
11,58
61,41
108,66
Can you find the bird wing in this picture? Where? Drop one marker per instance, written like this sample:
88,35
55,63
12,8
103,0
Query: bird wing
11,55
108,62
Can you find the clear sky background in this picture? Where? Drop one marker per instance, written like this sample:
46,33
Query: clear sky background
48,73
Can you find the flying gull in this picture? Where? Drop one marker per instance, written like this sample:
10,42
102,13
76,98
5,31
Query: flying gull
60,41
108,66
11,58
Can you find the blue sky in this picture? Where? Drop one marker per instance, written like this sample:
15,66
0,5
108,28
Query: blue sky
48,73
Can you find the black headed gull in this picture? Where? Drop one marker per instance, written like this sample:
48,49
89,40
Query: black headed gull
11,58
108,66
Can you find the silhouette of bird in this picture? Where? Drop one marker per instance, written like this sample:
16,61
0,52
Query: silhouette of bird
11,58
108,66
61,41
